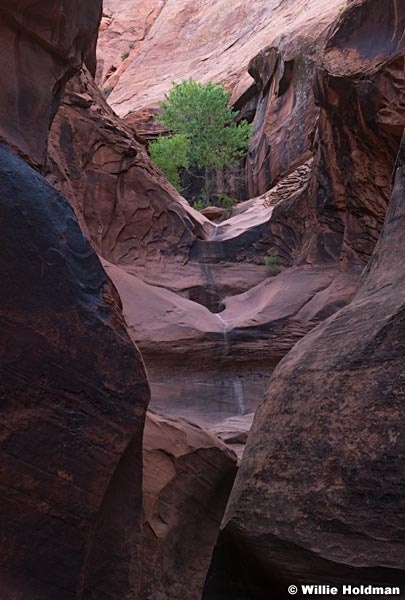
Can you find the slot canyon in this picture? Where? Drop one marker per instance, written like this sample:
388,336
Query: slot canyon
202,404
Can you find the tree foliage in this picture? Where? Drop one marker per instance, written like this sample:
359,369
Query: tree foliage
200,113
171,153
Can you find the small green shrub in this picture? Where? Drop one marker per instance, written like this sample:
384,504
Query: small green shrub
199,204
273,263
132,45
124,56
225,201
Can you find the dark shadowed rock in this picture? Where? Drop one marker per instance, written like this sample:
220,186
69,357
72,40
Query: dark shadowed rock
360,86
188,475
73,394
318,495
43,44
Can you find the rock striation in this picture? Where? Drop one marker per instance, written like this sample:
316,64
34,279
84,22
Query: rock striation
43,44
74,394
359,86
318,494
73,386
129,211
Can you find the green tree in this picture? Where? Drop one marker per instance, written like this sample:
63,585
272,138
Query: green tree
170,154
200,112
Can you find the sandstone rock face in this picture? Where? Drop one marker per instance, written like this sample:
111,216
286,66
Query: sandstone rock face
359,90
73,386
43,44
234,431
171,330
129,211
136,220
360,87
318,495
207,40
215,41
188,474
124,26
74,393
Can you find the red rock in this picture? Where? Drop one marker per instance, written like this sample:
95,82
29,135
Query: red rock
188,474
123,28
325,457
72,385
217,43
130,212
359,89
277,312
234,431
213,213
74,393
42,45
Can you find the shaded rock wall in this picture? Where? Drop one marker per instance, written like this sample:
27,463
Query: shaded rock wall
353,135
360,89
74,393
317,497
285,113
72,385
318,494
43,44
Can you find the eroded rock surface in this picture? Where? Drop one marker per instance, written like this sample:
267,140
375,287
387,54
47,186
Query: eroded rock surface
209,41
43,44
360,87
173,268
74,393
234,431
72,385
124,26
188,475
318,495
129,211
